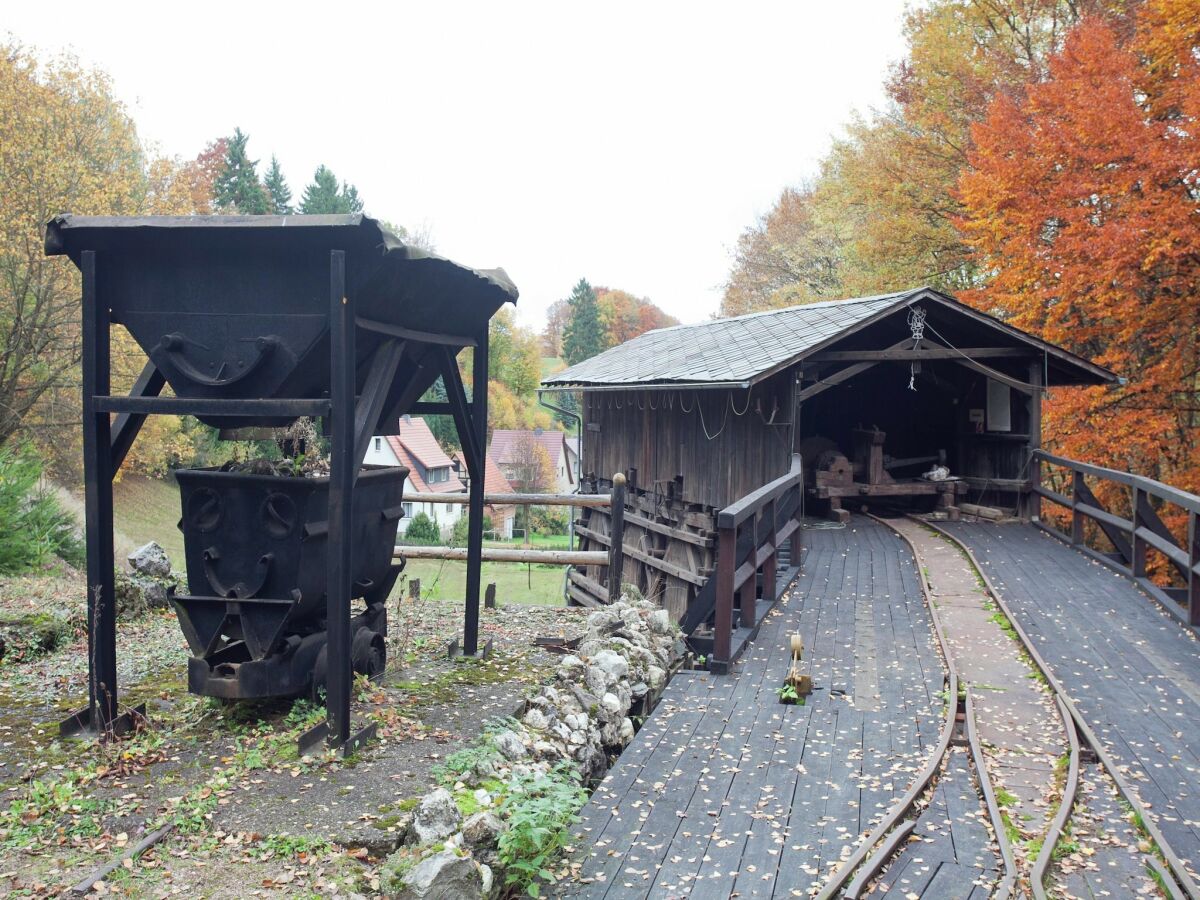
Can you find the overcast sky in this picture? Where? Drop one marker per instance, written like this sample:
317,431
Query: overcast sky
628,143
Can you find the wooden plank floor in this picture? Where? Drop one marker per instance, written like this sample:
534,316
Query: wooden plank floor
726,791
1132,670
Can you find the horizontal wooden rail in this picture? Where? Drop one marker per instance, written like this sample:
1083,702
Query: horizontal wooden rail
1130,537
595,500
504,554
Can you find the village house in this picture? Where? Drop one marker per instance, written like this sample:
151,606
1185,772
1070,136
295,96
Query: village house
510,449
430,470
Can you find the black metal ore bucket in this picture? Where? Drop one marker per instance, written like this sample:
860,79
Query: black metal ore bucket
256,554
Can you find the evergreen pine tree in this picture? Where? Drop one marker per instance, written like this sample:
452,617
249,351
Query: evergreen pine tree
324,197
583,336
236,188
280,194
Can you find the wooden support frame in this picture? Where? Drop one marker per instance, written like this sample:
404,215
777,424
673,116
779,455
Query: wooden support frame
341,503
470,419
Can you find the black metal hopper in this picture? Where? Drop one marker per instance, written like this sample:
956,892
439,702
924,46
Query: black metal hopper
237,307
255,321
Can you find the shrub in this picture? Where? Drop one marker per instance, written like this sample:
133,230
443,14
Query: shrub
458,537
422,530
33,525
548,520
539,809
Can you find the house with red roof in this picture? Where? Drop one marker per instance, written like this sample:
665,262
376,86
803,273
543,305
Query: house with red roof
430,471
503,516
509,445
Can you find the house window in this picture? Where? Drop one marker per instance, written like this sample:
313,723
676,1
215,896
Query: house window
378,444
408,510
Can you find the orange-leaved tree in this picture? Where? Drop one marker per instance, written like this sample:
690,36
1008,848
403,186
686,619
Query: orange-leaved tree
1081,201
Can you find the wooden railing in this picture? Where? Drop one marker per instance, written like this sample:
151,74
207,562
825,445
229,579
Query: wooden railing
1132,537
749,535
612,557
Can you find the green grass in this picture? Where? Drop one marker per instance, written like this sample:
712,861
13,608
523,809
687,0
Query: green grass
539,542
147,509
515,582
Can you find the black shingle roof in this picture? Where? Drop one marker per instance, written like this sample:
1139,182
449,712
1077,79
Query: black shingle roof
741,350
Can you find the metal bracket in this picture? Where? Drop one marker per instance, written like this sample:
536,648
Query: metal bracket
308,741
455,651
80,723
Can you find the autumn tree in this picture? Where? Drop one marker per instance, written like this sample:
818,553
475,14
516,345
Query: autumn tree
557,316
278,193
1081,202
237,188
583,336
324,196
625,316
881,214
529,468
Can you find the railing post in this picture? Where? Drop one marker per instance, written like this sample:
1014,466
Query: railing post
771,566
748,591
796,550
1034,504
1193,595
616,534
1077,493
1137,562
723,625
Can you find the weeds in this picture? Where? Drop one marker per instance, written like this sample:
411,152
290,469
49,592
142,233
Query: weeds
539,810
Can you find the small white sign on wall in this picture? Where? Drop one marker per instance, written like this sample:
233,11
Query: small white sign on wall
999,406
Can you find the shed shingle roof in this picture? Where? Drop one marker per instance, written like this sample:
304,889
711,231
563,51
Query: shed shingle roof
740,351
724,351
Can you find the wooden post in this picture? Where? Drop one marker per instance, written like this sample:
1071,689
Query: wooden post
341,502
1193,596
98,476
479,395
1033,500
723,624
414,590
489,596
1137,562
771,566
748,592
616,538
1078,487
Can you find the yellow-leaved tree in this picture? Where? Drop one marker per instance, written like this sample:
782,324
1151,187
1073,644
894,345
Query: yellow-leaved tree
66,145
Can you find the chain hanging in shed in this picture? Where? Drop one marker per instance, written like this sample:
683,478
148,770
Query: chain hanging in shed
916,323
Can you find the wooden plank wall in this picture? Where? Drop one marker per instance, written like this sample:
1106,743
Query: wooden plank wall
670,549
723,442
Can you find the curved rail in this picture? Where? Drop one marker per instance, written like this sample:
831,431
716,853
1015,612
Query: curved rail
1174,864
843,872
884,830
1037,875
1005,887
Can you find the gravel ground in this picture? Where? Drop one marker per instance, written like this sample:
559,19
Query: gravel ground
253,818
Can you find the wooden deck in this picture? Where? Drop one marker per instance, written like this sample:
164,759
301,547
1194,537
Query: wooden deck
725,790
1132,670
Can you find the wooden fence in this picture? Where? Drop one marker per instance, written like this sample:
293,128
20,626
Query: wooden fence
611,560
1132,537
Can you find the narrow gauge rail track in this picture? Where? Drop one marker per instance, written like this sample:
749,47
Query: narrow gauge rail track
852,878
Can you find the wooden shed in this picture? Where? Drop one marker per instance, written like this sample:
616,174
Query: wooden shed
871,393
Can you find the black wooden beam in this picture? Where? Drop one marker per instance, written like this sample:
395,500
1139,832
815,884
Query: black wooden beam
127,425
906,354
380,375
420,337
